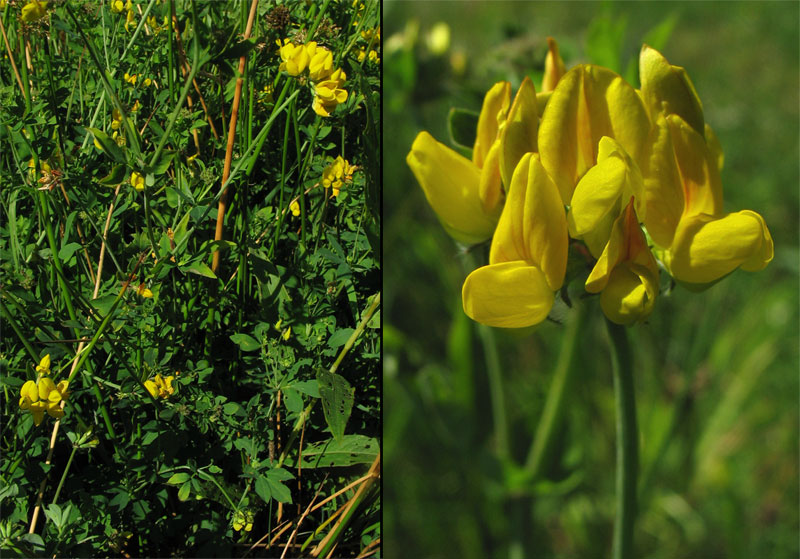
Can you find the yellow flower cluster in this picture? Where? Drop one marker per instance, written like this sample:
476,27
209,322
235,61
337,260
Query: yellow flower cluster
131,79
160,387
243,519
32,11
43,395
117,6
628,177
328,82
335,175
137,181
373,37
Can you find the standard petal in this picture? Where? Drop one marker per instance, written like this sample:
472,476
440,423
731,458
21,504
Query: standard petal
151,388
662,185
507,295
490,189
30,391
45,385
495,105
545,225
450,183
509,241
668,89
698,168
553,66
518,136
589,102
707,248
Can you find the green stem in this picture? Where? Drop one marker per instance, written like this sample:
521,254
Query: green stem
64,475
627,441
550,421
495,378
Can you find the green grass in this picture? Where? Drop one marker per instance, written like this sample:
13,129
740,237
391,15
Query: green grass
715,373
265,288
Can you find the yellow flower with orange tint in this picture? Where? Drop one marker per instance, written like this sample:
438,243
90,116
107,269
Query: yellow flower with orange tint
160,387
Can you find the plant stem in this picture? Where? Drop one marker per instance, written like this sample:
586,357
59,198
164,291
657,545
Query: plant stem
550,421
627,441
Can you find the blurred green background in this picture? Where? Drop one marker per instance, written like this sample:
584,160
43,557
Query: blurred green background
716,372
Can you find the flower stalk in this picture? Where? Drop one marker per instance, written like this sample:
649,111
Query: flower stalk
627,441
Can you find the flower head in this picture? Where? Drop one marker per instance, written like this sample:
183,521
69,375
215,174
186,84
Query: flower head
243,519
294,207
294,58
43,395
336,174
137,181
160,387
33,10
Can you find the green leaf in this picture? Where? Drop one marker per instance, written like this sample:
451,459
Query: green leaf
279,491
245,342
462,125
352,449
160,167
340,337
67,251
183,492
337,400
198,268
262,487
107,145
116,176
178,478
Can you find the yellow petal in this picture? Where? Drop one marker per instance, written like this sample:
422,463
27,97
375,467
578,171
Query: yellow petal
490,189
698,169
507,295
668,89
54,410
589,102
554,67
518,136
597,195
451,183
707,248
151,388
630,294
38,415
533,225
662,184
44,365
495,105
45,385
29,392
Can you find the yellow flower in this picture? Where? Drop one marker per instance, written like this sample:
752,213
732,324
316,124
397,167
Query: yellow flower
137,181
336,174
698,242
295,208
131,79
129,18
588,103
243,519
320,65
117,6
142,291
329,93
160,387
147,82
33,10
295,57
468,196
287,333
626,274
528,257
43,367
43,396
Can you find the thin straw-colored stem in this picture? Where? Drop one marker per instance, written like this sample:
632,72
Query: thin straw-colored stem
226,169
